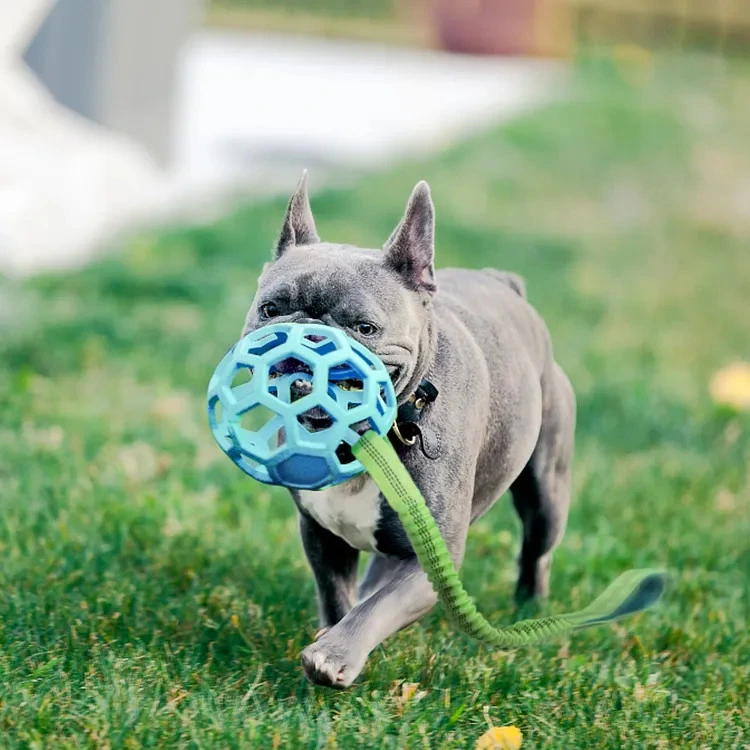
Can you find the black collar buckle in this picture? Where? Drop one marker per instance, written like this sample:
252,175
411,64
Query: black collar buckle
406,428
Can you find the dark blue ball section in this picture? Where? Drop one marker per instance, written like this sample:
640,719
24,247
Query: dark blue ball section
287,399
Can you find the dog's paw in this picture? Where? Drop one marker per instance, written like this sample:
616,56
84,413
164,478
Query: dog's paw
329,665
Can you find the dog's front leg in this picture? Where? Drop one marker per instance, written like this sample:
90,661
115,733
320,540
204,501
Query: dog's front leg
403,597
334,565
339,655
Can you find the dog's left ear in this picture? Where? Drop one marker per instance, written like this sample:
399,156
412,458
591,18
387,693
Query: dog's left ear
410,250
299,225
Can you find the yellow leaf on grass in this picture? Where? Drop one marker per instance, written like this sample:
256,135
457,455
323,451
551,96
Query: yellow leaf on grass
731,385
500,738
407,690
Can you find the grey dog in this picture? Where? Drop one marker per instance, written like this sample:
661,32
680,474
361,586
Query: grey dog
504,420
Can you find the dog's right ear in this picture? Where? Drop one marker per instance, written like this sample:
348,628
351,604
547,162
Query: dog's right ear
410,250
299,225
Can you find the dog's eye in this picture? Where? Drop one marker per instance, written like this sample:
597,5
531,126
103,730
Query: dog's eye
269,310
365,329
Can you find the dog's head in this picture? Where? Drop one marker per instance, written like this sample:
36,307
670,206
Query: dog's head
382,298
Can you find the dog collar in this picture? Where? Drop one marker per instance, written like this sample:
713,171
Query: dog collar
406,428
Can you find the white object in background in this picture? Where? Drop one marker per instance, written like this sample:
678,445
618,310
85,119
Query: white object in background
66,184
254,109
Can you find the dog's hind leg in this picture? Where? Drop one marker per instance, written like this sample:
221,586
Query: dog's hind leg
379,571
541,493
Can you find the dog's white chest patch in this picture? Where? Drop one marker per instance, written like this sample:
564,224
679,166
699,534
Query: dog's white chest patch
352,514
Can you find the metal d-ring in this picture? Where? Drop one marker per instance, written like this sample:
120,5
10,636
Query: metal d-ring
405,441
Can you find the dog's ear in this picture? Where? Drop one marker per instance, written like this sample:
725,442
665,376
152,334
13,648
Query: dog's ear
410,250
299,225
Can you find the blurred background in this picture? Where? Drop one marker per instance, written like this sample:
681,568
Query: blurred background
597,147
115,112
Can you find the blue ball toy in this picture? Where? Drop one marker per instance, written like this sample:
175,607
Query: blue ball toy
288,401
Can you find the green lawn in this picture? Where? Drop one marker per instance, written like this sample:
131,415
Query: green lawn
382,21
371,9
151,596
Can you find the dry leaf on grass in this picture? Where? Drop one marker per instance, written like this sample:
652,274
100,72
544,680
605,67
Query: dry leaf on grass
500,738
731,386
407,690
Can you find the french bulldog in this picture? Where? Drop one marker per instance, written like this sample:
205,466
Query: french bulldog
504,420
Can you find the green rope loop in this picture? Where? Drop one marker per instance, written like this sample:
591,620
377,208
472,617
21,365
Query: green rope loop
632,592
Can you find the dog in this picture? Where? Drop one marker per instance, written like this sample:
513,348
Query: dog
504,419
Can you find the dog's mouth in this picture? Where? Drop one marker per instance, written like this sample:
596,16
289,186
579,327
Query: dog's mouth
395,373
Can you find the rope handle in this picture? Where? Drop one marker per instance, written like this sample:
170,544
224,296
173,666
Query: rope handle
633,591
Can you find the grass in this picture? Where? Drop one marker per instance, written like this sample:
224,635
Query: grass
153,597
388,30
381,21
372,9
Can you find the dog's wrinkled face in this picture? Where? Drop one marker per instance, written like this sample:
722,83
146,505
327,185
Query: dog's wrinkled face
379,297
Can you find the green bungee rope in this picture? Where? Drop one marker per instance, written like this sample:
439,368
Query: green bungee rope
632,592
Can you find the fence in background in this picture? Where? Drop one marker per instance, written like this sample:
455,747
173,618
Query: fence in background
683,23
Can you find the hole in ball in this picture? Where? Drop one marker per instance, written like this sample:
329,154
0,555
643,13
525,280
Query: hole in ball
254,419
315,419
344,454
277,439
242,376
